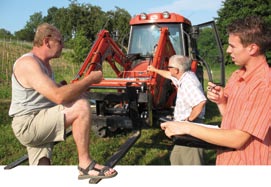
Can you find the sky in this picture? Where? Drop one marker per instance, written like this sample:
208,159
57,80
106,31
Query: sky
14,14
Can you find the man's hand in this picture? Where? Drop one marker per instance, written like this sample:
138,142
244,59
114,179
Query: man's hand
95,76
174,128
151,68
216,93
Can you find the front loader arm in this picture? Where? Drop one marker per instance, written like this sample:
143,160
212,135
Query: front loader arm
104,48
160,86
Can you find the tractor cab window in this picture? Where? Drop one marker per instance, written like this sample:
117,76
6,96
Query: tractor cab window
144,38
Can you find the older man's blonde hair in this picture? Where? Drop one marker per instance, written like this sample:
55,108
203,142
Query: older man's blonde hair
180,62
44,30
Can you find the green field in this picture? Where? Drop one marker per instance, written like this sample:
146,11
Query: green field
152,148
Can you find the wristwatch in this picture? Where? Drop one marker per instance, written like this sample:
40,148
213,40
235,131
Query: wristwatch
187,119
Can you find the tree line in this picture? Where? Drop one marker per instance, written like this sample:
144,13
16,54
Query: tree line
232,9
80,23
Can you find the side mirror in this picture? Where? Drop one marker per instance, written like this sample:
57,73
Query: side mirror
194,32
115,35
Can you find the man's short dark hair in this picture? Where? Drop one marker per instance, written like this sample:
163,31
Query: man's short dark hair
252,29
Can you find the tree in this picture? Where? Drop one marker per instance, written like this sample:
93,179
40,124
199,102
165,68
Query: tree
79,25
118,22
5,34
60,19
232,9
81,47
28,32
24,35
51,15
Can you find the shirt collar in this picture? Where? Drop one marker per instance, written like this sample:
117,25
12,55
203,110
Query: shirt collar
182,77
246,77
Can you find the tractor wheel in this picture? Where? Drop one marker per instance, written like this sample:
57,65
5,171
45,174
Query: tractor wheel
99,130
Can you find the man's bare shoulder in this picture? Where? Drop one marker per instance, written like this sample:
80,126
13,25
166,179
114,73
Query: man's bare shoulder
27,66
26,62
25,69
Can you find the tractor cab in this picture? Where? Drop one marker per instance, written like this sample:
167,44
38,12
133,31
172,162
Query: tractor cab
200,42
145,32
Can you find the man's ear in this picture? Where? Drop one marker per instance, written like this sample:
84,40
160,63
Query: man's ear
253,49
46,41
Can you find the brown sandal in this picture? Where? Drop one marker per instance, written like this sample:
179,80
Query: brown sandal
101,174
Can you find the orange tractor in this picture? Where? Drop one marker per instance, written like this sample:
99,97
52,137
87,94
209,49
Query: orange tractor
132,96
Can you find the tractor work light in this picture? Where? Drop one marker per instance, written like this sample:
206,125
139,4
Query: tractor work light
143,16
166,15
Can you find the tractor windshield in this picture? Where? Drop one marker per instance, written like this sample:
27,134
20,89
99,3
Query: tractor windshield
144,38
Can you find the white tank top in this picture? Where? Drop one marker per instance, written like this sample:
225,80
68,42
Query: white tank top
25,100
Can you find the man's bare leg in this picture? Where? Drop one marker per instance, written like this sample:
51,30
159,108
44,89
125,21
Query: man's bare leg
78,114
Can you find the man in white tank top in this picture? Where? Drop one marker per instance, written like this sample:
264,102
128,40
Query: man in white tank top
42,109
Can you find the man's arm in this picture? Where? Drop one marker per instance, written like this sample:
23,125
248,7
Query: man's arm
228,138
30,75
164,73
196,110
